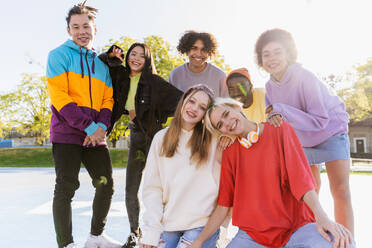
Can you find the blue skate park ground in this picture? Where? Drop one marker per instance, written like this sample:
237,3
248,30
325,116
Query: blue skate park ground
26,207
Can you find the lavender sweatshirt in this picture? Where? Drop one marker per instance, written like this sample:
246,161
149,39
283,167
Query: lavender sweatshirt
306,103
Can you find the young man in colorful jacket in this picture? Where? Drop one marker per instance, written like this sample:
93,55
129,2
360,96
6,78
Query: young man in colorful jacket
80,90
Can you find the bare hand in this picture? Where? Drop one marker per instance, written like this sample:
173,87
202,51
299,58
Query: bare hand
224,142
269,109
117,52
98,136
276,120
146,246
87,141
342,236
132,114
195,244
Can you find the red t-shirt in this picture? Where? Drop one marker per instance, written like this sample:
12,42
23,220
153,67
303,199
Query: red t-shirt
265,185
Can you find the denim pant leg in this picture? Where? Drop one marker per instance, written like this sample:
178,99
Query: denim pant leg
98,163
138,151
67,159
169,239
190,235
308,236
183,239
243,240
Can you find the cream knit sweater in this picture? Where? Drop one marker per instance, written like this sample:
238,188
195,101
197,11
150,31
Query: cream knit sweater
176,195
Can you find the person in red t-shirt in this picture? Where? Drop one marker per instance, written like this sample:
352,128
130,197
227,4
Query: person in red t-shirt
267,180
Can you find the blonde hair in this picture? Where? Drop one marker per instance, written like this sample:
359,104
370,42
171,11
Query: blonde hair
219,102
201,138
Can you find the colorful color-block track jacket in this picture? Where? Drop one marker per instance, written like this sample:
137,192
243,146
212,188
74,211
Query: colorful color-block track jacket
80,90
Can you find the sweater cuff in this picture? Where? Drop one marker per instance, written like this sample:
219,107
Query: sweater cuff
272,114
277,110
150,237
104,127
91,129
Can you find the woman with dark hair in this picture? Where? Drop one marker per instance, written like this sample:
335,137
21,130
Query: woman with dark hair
149,100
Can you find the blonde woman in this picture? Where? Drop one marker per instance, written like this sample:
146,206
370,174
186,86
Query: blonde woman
266,178
180,182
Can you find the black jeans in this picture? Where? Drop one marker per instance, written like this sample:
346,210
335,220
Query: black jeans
67,161
138,150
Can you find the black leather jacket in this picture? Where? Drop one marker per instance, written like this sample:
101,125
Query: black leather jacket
155,99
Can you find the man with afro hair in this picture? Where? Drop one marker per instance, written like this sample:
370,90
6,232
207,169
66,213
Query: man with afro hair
198,47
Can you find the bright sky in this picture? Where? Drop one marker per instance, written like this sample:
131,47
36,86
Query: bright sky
331,35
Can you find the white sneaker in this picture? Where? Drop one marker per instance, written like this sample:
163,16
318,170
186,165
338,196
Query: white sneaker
72,245
101,241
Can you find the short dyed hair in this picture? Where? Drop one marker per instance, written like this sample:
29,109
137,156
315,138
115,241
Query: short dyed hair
219,102
190,37
277,35
82,9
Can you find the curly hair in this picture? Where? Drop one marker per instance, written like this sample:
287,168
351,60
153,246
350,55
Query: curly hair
81,9
190,37
278,35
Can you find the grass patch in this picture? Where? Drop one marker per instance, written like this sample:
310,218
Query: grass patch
361,172
42,157
354,172
119,158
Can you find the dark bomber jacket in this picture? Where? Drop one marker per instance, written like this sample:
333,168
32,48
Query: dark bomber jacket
155,99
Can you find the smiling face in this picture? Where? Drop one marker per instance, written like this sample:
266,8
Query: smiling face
136,60
194,109
197,56
82,30
275,59
240,89
228,120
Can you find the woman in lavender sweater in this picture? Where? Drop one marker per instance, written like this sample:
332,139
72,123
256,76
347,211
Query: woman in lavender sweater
319,117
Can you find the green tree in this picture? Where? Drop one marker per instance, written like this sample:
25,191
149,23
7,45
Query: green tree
219,61
124,42
27,108
358,98
165,56
119,129
1,129
6,110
